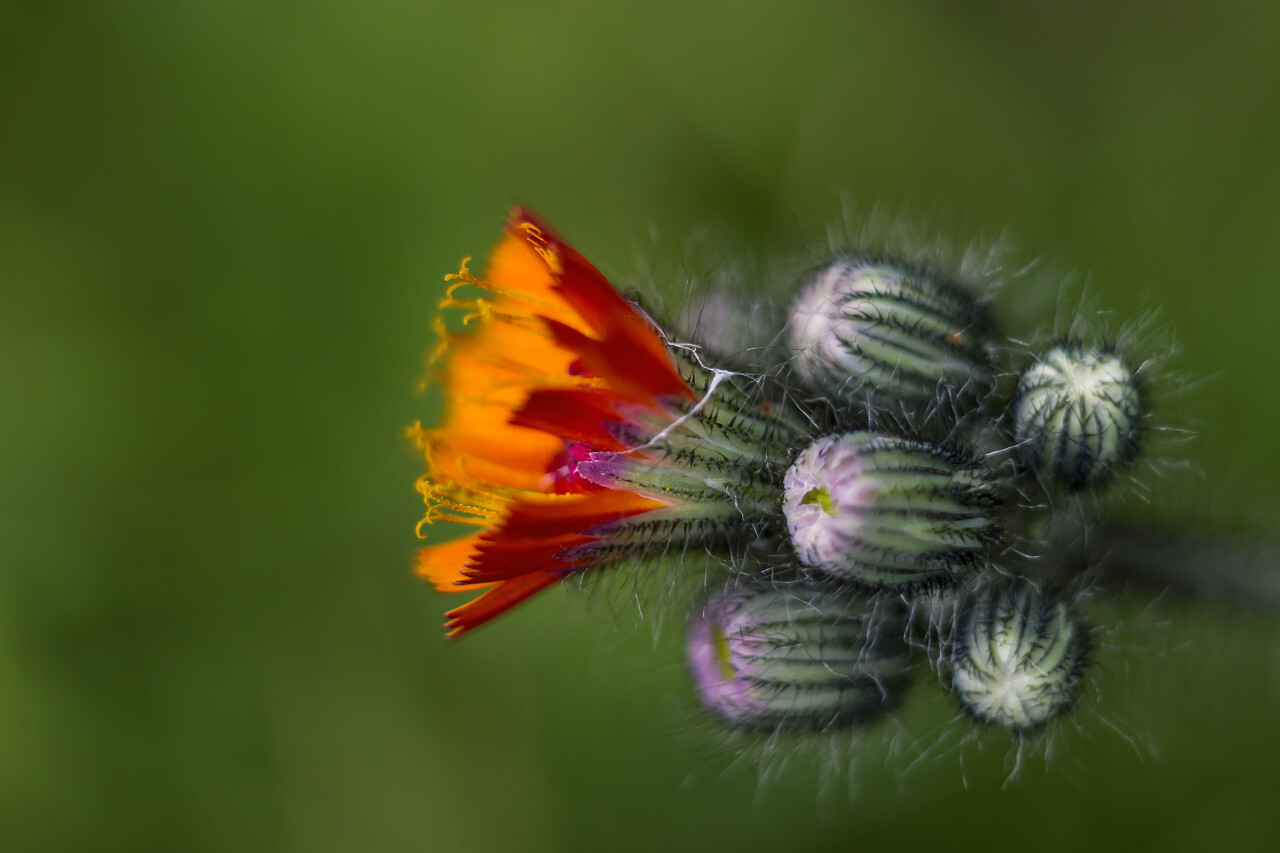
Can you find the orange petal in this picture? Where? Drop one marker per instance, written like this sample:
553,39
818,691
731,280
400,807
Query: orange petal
443,564
503,456
524,282
632,345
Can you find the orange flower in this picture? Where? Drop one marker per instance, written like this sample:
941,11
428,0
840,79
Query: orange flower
570,435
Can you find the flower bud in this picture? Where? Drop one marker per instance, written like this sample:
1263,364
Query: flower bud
865,329
1076,415
889,512
1018,658
770,658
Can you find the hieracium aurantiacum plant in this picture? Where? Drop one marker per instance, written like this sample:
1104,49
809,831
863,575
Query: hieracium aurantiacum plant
875,496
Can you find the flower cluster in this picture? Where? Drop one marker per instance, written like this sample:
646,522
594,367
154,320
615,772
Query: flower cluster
871,491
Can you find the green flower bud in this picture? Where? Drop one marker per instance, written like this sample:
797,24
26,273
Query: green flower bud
1018,658
887,511
1076,415
772,658
874,330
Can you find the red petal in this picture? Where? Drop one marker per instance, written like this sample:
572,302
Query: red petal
636,352
506,560
569,514
627,370
496,601
577,414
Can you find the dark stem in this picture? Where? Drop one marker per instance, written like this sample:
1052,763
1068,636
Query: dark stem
1241,571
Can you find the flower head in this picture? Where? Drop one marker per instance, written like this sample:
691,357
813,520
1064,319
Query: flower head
574,434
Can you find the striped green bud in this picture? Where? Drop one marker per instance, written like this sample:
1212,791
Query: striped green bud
1076,415
886,511
798,659
1018,658
871,330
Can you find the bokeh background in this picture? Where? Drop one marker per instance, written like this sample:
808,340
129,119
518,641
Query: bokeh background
223,228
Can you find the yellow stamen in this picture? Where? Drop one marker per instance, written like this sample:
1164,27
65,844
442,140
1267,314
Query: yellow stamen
822,498
457,503
724,656
416,433
539,242
464,277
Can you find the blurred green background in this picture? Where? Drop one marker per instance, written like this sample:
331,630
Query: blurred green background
223,228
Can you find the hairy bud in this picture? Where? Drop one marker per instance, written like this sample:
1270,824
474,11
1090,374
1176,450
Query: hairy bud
772,658
1076,415
1019,657
865,329
887,511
